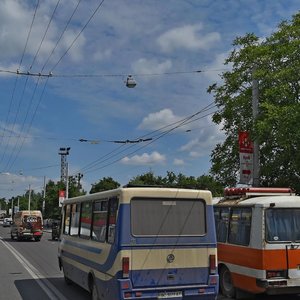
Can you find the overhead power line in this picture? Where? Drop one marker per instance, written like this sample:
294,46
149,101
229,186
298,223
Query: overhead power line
154,136
51,74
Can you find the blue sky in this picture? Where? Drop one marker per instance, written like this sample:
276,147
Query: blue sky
91,46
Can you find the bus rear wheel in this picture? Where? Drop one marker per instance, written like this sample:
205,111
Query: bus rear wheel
226,285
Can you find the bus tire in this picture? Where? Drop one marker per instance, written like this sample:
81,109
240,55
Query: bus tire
94,291
226,285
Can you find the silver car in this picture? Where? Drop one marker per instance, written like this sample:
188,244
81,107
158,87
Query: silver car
7,222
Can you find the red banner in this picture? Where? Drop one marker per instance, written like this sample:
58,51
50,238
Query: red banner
245,144
246,158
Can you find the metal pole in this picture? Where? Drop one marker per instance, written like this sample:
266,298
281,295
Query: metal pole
29,198
44,195
67,181
256,166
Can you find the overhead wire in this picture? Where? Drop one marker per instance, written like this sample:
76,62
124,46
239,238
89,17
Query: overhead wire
135,151
39,74
154,137
15,84
78,35
61,35
19,143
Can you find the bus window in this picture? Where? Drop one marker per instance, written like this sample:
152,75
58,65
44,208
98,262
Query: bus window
221,221
99,220
170,218
86,220
112,218
67,219
282,224
240,225
75,213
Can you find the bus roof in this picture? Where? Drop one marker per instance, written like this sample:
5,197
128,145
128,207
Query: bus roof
147,192
264,201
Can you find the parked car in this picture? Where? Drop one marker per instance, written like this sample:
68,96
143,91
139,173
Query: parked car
7,222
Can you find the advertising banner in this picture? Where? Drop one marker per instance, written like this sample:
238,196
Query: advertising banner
61,197
246,158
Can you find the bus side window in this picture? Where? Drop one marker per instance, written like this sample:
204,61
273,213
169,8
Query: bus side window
221,221
86,220
75,213
99,220
112,219
67,219
240,226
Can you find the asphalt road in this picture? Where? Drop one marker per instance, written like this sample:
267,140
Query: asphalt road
29,270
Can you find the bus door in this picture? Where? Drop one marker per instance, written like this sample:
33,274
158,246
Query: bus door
169,242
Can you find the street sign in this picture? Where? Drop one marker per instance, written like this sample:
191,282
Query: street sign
246,158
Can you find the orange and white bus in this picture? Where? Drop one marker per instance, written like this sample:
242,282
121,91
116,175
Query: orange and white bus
258,234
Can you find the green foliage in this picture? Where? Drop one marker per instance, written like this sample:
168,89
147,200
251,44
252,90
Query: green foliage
105,184
275,63
204,182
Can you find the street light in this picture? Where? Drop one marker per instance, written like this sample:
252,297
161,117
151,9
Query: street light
130,82
64,151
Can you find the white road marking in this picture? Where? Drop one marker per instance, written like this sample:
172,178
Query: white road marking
52,292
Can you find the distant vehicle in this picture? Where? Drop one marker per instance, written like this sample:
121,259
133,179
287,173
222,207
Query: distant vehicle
27,224
55,230
7,222
258,234
141,243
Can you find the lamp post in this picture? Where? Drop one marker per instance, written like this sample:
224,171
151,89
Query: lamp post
63,152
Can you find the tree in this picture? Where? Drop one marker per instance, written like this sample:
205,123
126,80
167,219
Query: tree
204,182
105,184
275,63
147,179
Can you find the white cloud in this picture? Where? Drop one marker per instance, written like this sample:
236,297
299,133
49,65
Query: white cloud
207,136
102,55
216,67
187,37
13,135
145,159
159,119
178,162
145,66
15,21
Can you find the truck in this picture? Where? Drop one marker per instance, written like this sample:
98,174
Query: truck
27,225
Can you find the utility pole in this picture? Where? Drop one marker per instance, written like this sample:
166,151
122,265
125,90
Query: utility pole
256,164
29,198
64,176
44,195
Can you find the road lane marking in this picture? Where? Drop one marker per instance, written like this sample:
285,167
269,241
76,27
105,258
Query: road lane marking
52,292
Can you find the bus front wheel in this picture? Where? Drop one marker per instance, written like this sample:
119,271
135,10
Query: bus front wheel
226,285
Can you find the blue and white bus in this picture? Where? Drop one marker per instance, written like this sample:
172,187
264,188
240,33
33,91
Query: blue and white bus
141,243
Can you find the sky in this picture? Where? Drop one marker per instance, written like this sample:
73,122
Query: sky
63,71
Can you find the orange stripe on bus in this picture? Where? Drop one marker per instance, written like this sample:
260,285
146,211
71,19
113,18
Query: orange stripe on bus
246,283
258,258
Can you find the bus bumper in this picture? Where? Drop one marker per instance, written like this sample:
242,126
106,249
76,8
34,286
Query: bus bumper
278,286
199,292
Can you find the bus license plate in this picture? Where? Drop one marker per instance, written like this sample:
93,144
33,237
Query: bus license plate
166,295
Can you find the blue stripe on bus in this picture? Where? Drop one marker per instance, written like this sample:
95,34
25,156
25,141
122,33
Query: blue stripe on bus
79,245
124,240
111,289
158,276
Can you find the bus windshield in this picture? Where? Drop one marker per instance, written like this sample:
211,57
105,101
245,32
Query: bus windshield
283,224
167,217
